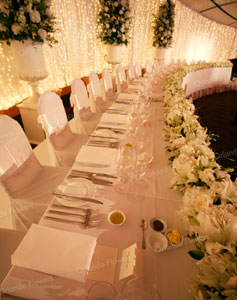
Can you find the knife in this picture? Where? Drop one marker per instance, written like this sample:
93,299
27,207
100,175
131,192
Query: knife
72,197
93,173
64,213
64,221
94,180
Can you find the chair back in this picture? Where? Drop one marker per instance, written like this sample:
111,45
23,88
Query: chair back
138,70
79,96
148,67
107,79
15,148
131,72
121,74
95,85
156,65
52,114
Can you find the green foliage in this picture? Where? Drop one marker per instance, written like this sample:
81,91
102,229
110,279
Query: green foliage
114,22
26,19
164,25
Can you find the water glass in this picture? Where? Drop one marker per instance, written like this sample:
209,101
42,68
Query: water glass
102,291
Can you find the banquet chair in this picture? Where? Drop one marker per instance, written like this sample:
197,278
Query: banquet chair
108,85
132,76
9,241
28,184
95,92
53,118
86,120
122,83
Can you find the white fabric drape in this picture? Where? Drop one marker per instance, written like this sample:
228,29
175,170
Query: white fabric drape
79,52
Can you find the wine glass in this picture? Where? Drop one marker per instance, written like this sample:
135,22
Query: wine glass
138,289
126,161
102,291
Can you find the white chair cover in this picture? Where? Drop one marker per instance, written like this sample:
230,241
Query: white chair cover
29,184
9,241
86,120
122,84
108,85
132,76
148,67
96,93
53,118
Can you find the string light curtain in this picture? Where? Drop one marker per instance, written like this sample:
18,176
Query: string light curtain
79,52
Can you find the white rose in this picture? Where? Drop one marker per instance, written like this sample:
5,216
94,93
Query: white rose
213,247
29,7
116,4
207,176
127,24
107,25
42,33
188,150
3,9
16,28
203,160
2,28
114,30
35,16
22,19
121,12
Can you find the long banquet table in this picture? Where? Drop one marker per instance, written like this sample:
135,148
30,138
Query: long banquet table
170,271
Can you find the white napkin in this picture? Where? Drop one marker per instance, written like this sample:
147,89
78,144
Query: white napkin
135,87
97,155
57,252
128,96
114,119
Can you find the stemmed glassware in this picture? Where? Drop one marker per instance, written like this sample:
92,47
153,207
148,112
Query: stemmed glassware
126,163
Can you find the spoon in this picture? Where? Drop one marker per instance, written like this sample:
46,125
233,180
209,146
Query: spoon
143,226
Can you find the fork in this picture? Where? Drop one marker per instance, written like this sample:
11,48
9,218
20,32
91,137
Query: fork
104,144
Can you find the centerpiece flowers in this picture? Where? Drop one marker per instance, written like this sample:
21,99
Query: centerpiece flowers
22,20
114,22
164,25
209,206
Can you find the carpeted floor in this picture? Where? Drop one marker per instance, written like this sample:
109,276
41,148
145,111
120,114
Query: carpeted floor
218,112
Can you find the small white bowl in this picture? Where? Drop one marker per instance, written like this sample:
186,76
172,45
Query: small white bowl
170,243
160,220
119,212
157,242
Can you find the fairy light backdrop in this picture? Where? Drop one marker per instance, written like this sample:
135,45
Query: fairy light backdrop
79,52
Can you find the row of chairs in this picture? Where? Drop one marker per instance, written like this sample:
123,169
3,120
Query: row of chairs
30,184
87,110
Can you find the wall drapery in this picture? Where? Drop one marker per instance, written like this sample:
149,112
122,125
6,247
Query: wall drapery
79,52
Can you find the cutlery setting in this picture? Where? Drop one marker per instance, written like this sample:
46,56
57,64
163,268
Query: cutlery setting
116,130
105,144
74,198
92,174
93,179
87,221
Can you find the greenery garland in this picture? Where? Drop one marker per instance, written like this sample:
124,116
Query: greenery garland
164,25
26,19
114,22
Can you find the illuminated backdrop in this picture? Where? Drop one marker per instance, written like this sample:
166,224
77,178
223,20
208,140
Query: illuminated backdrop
79,52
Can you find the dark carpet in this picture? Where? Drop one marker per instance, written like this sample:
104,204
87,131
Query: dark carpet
218,112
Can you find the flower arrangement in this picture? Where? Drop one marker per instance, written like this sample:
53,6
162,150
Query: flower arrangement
114,22
164,25
26,19
209,196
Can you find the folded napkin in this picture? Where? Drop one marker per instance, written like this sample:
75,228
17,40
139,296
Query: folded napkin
57,252
128,96
97,155
135,87
117,120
